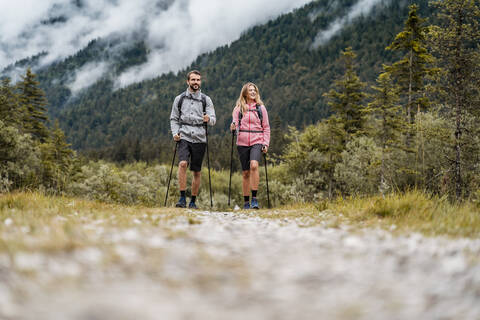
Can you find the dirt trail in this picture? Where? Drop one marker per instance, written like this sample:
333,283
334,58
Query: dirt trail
239,266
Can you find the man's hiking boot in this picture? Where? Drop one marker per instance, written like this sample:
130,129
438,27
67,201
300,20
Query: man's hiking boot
182,203
192,205
246,205
254,203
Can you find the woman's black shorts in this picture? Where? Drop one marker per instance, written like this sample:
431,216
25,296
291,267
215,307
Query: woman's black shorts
192,153
249,153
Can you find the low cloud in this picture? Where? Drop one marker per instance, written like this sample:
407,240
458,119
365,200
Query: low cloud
362,7
87,75
175,31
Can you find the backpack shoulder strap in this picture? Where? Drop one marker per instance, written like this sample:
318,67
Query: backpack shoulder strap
179,105
204,103
240,116
260,113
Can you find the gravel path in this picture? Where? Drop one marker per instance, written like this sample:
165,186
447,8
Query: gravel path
239,266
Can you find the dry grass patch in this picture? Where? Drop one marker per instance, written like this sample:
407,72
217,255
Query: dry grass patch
412,211
31,221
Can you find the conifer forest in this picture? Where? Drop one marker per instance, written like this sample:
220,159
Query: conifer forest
389,104
367,201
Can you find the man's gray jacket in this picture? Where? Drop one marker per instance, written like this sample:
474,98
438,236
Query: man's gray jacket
189,123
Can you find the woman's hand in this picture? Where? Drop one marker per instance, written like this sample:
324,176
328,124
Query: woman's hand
265,149
233,126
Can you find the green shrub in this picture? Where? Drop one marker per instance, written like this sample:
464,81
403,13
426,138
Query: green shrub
138,183
359,170
20,160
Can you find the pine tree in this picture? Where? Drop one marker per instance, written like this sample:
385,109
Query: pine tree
277,136
137,150
412,70
456,43
346,99
63,154
33,102
10,112
57,160
335,135
387,112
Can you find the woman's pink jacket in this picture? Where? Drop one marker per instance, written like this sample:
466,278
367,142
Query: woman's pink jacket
251,122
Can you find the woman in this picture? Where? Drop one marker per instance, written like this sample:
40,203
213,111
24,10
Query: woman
250,119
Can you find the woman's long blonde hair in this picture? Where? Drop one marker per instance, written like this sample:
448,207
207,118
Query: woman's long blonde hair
242,99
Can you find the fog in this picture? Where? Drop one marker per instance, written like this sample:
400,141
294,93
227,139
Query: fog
362,7
176,31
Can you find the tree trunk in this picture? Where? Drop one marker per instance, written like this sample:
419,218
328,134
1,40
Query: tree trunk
458,108
458,150
409,103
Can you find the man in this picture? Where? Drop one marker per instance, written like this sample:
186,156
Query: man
191,111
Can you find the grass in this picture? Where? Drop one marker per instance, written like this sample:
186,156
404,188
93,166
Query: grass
401,213
32,221
412,211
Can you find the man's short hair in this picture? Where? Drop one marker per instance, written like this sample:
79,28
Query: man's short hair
193,72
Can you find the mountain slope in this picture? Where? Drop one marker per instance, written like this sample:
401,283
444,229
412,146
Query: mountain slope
278,56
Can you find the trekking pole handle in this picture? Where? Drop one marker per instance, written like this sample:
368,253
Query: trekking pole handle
234,131
205,121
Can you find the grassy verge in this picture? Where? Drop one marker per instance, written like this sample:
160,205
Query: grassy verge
31,221
413,211
410,212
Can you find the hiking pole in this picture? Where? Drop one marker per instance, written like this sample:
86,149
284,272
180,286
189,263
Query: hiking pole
231,166
266,178
171,169
208,163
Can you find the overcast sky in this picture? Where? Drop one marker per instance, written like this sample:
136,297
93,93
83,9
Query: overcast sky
177,31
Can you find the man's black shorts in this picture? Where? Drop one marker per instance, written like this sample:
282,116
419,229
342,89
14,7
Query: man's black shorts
249,153
192,153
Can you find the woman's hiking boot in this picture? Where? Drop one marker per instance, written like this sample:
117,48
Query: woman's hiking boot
254,203
192,205
246,205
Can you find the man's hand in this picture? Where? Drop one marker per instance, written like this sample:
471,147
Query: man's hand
206,118
176,137
264,149
233,126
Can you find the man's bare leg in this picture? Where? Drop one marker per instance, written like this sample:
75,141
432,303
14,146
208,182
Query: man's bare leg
197,176
182,175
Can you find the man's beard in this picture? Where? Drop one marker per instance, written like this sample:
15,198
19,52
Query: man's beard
195,87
